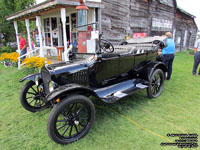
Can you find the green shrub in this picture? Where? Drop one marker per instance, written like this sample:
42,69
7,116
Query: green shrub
8,49
5,49
13,49
191,52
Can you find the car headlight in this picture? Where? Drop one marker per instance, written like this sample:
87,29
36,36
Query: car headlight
51,86
36,80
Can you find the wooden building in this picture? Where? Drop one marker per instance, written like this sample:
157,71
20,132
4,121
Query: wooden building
186,30
149,18
120,18
57,21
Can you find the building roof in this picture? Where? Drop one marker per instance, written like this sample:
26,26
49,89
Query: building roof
185,12
182,10
47,6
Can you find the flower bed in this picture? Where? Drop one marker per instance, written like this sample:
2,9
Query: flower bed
29,64
35,62
9,59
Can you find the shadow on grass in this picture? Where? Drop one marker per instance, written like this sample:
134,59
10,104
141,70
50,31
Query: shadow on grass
123,106
104,110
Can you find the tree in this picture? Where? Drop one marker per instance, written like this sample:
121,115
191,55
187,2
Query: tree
7,8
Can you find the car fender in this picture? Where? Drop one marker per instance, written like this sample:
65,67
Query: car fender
148,70
69,89
31,77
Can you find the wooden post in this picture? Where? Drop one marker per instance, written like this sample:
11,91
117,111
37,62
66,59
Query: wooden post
51,34
58,26
94,19
70,28
39,26
43,34
18,44
16,31
28,34
63,18
100,17
174,34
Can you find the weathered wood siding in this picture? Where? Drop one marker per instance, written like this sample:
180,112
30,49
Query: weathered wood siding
115,18
154,17
139,16
125,17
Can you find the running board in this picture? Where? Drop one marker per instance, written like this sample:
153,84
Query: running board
120,90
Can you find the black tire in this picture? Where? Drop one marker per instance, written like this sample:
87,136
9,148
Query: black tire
75,116
32,98
156,84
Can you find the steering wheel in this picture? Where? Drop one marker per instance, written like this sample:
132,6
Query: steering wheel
161,44
106,46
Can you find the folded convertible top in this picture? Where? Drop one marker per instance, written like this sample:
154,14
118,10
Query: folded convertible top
146,40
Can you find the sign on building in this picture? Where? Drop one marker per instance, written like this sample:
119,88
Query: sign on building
139,35
161,24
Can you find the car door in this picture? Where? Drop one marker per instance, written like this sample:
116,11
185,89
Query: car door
126,63
151,55
140,59
107,69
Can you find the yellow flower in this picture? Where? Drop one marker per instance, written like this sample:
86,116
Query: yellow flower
35,62
10,57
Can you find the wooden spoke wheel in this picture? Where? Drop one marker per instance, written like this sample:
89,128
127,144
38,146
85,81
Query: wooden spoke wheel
71,119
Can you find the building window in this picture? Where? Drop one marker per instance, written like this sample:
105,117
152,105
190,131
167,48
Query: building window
47,32
73,21
51,31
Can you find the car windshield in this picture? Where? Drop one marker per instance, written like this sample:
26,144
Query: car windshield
84,56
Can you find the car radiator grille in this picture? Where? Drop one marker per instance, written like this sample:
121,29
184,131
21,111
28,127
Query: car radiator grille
46,77
80,77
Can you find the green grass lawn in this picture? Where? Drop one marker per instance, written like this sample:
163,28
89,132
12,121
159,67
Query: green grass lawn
175,111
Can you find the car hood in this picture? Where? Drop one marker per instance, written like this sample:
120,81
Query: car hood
66,67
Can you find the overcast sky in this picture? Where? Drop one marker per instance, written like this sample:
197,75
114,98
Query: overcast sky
192,7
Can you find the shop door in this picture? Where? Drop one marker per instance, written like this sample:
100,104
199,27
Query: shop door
68,34
67,31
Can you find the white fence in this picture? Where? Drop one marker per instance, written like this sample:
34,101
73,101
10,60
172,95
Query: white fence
30,53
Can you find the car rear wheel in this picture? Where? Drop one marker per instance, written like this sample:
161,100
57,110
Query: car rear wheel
156,84
71,119
32,97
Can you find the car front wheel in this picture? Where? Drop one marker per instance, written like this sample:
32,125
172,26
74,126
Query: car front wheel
32,97
156,84
71,119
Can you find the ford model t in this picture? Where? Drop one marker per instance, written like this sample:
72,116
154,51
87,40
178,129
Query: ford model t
110,74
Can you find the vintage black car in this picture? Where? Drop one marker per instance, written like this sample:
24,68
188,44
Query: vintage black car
112,73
